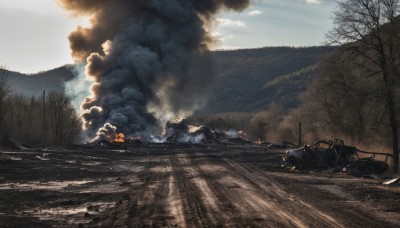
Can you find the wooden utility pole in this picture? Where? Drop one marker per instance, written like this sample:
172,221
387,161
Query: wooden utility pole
300,141
44,119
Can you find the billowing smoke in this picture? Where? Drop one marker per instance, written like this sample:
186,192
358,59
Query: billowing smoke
77,88
148,60
108,132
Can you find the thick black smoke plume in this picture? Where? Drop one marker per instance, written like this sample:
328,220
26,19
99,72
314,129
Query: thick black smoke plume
148,59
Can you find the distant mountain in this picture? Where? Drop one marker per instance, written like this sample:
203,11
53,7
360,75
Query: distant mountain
246,80
34,84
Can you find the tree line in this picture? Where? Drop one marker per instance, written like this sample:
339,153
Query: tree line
32,121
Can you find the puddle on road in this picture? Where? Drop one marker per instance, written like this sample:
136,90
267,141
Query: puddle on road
42,158
52,185
91,163
45,213
70,214
71,162
9,158
118,151
20,152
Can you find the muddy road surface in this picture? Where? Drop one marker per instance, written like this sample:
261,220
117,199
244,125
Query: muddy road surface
184,186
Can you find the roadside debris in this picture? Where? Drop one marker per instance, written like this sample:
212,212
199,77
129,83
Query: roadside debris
393,182
325,154
44,157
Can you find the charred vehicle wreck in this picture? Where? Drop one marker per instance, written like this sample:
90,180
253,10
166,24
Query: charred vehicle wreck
328,153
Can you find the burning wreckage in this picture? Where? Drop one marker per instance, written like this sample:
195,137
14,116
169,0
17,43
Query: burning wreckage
175,132
181,132
324,154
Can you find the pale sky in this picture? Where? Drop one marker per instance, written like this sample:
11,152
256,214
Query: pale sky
34,32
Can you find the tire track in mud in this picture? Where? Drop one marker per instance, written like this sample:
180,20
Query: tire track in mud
223,205
314,210
169,197
194,210
193,187
175,205
189,189
231,211
150,202
146,204
246,202
283,205
247,198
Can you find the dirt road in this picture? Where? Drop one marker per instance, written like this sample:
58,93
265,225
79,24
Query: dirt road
182,186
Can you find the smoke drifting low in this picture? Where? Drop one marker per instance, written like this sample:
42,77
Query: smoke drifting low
148,59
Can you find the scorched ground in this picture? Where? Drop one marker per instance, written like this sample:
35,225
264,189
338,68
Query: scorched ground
166,185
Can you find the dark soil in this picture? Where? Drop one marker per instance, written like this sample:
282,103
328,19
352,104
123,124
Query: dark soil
184,186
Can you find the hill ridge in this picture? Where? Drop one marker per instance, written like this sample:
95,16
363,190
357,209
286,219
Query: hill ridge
246,80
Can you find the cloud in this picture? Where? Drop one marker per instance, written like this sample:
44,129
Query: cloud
230,23
255,12
313,1
221,38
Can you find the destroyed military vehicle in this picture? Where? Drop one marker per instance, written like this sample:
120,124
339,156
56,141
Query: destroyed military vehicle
325,154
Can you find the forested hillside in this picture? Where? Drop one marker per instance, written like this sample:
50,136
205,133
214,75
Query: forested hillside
246,80
250,80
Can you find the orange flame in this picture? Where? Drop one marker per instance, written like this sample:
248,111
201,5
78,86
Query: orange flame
120,138
242,134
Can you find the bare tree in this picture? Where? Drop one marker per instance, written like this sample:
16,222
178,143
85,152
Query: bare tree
258,125
64,121
370,31
266,124
4,92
